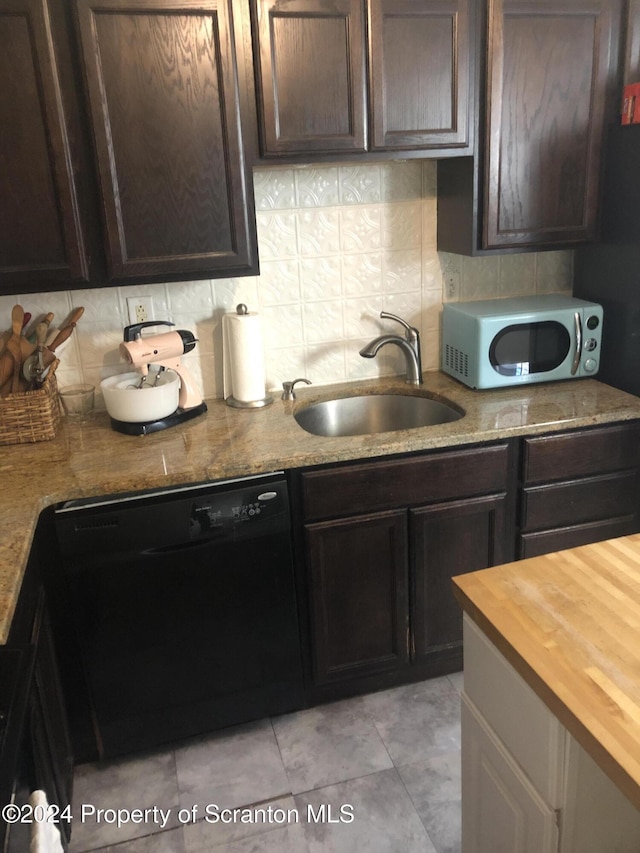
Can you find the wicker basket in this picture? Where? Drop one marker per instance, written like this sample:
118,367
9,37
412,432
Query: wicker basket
31,416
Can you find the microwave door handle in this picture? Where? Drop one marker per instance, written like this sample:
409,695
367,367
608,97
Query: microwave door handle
578,353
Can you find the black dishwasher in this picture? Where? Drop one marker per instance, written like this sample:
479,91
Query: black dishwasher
184,607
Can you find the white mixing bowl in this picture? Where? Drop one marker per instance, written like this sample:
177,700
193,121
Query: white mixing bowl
127,402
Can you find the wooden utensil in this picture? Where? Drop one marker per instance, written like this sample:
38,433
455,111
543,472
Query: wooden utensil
6,366
63,335
66,331
31,337
13,345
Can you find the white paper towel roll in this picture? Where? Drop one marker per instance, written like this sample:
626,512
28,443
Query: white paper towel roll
243,353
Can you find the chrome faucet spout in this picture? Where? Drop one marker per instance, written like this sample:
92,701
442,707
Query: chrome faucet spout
373,347
410,346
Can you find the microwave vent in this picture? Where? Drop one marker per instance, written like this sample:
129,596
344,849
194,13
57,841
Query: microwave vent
456,360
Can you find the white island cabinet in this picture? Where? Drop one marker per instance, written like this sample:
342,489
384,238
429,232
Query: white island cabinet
527,785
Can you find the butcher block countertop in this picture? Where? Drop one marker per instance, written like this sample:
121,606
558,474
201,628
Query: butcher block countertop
90,459
569,623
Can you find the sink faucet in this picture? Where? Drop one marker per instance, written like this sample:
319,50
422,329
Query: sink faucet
410,346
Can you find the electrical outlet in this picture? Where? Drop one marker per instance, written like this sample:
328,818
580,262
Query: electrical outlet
140,309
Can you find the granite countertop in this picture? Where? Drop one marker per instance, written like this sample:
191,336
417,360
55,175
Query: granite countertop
87,459
568,623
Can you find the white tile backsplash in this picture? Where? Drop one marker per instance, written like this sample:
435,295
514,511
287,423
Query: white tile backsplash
320,278
274,189
361,228
318,232
401,181
338,244
277,235
361,184
362,274
317,187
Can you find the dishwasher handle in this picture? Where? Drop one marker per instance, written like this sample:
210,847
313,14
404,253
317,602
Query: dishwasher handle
181,547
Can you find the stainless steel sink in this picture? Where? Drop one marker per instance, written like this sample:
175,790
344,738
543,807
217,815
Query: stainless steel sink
371,413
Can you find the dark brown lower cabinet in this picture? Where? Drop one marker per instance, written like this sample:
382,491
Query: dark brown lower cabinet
359,595
52,755
389,536
579,487
40,755
383,538
450,539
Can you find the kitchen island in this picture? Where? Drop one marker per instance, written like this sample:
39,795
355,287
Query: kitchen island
551,706
88,459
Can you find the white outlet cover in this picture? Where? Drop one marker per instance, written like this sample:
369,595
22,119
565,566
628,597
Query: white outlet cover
140,309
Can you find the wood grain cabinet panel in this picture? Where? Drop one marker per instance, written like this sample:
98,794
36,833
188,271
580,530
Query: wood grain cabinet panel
581,453
549,86
419,55
53,757
450,539
549,69
631,71
381,609
167,99
572,536
42,244
411,480
579,487
311,68
578,501
43,740
359,595
364,75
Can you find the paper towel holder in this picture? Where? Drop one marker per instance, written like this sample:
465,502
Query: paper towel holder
247,404
250,404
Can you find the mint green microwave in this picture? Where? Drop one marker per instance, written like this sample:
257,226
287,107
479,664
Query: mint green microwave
495,343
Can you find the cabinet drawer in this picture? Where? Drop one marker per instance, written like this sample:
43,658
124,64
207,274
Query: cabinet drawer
580,454
579,501
546,541
529,731
373,486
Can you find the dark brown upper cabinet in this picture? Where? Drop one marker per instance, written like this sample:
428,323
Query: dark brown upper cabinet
310,60
169,108
42,244
551,85
631,71
355,76
419,65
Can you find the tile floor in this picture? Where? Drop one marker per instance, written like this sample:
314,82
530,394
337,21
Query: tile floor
379,773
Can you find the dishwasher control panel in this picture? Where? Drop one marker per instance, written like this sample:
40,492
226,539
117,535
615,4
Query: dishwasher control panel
232,511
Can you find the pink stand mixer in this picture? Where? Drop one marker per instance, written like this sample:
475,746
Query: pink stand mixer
164,350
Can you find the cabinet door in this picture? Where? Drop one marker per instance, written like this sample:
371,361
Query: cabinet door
419,65
632,44
41,242
501,810
358,589
311,71
550,65
450,539
52,754
166,89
